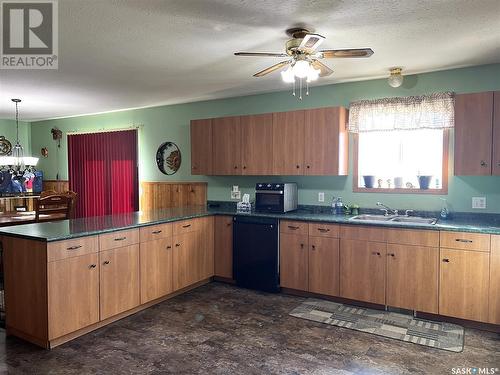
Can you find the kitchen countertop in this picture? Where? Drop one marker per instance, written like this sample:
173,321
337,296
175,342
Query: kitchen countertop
67,229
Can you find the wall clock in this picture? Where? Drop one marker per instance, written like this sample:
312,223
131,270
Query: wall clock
168,158
5,146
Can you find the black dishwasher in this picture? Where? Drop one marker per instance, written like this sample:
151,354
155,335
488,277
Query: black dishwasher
256,253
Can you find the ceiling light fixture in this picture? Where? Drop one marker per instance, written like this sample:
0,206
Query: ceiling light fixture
395,79
16,163
299,70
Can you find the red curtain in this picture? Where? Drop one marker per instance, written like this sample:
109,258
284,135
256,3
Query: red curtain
103,171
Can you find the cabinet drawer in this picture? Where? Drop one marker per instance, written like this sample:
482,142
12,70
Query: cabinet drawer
294,227
358,232
324,230
428,238
155,232
465,241
186,226
118,239
72,248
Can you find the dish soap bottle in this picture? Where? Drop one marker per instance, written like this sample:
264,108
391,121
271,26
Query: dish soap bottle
445,212
339,206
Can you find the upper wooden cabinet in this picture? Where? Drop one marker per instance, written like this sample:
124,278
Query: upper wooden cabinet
474,134
226,132
496,135
201,146
305,142
326,141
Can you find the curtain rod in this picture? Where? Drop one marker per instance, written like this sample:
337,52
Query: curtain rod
103,130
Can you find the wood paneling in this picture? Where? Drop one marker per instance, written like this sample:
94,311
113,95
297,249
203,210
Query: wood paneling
257,144
294,227
156,268
72,248
473,134
224,246
201,147
362,270
61,186
494,300
226,146
294,261
117,239
465,241
324,230
119,280
73,294
288,143
358,232
413,237
160,195
154,232
412,277
324,265
463,284
326,141
495,162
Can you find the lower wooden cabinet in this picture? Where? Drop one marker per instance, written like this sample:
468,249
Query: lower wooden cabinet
205,257
324,265
73,294
156,269
412,277
294,261
223,250
119,280
494,300
362,270
463,284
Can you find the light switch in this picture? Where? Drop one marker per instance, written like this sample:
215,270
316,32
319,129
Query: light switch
321,196
479,202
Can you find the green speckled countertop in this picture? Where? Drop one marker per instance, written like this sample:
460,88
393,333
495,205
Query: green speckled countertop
67,229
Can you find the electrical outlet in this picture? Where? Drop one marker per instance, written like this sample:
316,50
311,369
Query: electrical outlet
236,188
236,195
479,202
321,197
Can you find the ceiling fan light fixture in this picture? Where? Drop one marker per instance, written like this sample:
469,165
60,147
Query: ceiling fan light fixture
313,74
301,68
396,78
287,75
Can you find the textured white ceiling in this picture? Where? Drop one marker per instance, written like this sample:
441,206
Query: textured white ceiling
118,54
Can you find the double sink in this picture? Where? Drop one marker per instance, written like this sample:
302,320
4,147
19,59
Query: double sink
395,219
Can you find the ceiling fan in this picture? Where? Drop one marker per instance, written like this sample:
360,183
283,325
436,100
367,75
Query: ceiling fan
303,57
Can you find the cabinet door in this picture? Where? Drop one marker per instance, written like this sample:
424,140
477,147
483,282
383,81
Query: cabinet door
494,313
412,277
326,141
473,134
294,261
257,144
496,135
362,270
324,265
463,284
224,246
119,280
226,146
184,256
288,143
205,257
73,294
156,268
201,146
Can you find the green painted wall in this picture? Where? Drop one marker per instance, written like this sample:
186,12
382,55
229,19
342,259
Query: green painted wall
172,123
8,130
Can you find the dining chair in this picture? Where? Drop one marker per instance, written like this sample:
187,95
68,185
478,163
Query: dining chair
53,206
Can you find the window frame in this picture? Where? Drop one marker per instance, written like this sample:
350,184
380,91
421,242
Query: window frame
444,188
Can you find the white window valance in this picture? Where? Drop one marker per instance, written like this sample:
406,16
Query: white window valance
435,111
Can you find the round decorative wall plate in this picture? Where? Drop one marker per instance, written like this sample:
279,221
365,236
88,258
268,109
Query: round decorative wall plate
168,158
5,146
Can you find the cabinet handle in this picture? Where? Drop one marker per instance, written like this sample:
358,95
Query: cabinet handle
169,247
391,254
186,226
297,166
462,240
106,262
228,224
92,266
292,227
301,245
308,167
244,167
324,230
177,244
235,167
156,232
446,260
483,163
120,238
313,247
375,253
73,247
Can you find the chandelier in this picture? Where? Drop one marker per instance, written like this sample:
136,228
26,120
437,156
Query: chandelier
16,163
300,72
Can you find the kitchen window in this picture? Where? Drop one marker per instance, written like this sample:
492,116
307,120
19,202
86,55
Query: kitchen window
401,144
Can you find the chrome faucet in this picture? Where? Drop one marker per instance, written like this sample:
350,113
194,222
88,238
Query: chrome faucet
386,209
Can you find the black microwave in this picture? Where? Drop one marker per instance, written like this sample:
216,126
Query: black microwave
276,197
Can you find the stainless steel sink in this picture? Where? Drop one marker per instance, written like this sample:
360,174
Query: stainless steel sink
368,217
414,220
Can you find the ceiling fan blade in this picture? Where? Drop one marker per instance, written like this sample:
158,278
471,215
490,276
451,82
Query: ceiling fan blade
346,53
311,42
263,54
272,68
323,69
